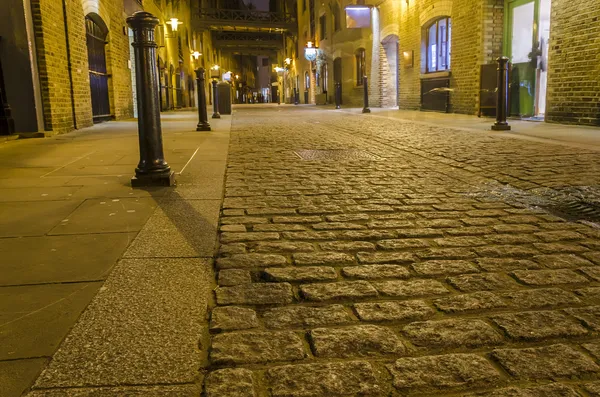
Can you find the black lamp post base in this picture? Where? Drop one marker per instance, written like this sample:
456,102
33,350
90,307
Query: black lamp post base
366,110
153,180
501,127
216,116
203,127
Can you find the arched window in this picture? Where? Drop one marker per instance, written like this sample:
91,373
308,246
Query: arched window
438,36
361,65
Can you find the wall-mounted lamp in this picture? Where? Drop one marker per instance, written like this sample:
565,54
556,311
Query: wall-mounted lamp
408,58
288,61
279,69
214,72
174,22
196,55
310,52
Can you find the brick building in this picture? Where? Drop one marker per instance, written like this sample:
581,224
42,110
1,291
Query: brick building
440,55
68,63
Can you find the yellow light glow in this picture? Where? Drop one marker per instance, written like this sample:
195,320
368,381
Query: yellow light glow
216,67
196,54
288,61
174,22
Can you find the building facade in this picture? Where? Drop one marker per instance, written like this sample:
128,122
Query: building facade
69,63
440,55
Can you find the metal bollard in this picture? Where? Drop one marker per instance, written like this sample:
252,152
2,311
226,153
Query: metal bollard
203,124
152,169
295,93
502,100
297,97
338,95
216,114
366,95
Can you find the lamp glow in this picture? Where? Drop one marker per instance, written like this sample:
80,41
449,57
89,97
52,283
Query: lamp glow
310,52
174,22
196,55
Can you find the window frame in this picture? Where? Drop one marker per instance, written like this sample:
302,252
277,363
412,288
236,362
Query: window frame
438,43
360,61
323,27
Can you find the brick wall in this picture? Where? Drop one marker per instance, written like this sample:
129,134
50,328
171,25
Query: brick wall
574,63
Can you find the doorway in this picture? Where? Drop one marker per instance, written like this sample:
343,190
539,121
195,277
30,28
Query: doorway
528,32
337,74
96,32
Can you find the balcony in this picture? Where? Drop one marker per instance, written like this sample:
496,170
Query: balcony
245,20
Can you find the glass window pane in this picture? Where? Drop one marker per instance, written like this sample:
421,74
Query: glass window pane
443,43
432,48
522,32
449,41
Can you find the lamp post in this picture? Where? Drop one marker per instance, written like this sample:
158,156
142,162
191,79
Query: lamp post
280,73
502,100
203,124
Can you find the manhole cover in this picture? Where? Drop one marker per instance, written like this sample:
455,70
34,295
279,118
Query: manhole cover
335,154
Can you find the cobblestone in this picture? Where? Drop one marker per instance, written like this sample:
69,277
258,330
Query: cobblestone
416,273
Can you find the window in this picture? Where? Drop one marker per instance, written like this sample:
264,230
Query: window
438,35
306,81
337,18
323,27
361,66
324,77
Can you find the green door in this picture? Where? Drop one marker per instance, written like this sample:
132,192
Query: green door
520,20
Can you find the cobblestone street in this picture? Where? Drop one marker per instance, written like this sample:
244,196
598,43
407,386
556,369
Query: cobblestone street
361,255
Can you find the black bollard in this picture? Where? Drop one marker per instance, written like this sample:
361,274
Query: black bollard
295,93
203,124
152,169
338,95
502,100
297,97
216,114
366,95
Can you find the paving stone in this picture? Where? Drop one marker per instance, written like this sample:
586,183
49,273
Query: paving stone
305,316
232,318
370,208
238,212
557,248
255,294
411,288
547,362
504,251
515,228
559,235
347,246
347,217
250,261
241,220
420,233
278,227
449,371
310,236
591,293
366,234
565,261
338,226
461,241
593,348
591,272
469,302
393,311
593,256
323,258
446,253
540,298
450,334
385,257
297,219
323,209
470,231
308,273
390,224
229,277
398,244
256,347
232,249
270,211
229,237
506,264
441,268
355,378
233,228
283,247
482,282
518,219
229,382
590,316
369,272
551,390
337,291
592,388
440,223
355,341
549,277
532,326
510,239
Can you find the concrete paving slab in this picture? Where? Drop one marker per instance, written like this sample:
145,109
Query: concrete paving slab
123,180
107,216
37,193
35,319
59,259
25,172
118,190
143,328
16,376
33,218
13,183
190,390
77,170
178,228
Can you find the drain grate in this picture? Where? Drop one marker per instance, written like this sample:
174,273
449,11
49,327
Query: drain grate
575,210
335,154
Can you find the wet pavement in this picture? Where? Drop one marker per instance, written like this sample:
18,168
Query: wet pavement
361,255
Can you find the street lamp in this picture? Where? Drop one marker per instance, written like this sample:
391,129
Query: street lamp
174,22
214,72
310,52
196,55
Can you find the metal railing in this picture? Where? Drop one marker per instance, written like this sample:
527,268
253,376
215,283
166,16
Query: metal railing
254,16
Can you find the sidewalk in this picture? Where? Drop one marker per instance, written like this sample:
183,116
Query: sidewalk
74,232
571,135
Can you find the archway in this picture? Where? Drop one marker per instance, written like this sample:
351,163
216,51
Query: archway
389,65
96,33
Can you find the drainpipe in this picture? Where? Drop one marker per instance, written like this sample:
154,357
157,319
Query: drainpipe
69,66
